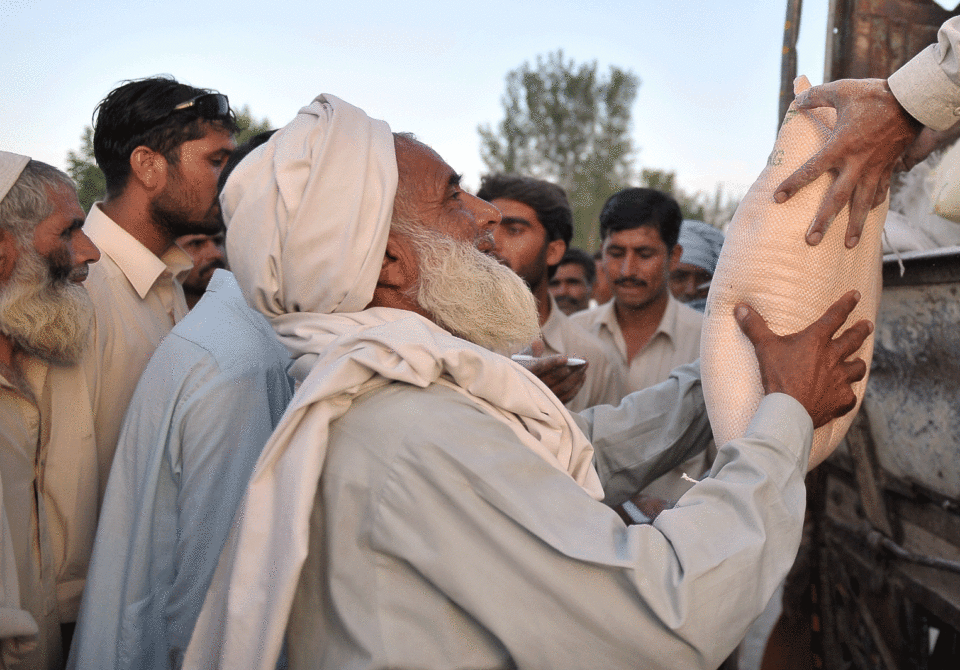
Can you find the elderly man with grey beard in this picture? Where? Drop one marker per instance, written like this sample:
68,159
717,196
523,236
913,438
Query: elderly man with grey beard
46,426
427,503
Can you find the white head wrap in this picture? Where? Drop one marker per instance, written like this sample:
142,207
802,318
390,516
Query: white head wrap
308,212
11,165
701,244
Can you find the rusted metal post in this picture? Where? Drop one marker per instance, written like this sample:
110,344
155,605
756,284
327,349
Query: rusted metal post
788,60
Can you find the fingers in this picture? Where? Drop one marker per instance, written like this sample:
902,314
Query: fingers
816,96
848,342
837,313
860,205
568,388
548,366
883,188
805,174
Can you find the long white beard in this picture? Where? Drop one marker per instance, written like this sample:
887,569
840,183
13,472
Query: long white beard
472,295
45,317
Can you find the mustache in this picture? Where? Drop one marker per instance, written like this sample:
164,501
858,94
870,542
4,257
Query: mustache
79,273
629,281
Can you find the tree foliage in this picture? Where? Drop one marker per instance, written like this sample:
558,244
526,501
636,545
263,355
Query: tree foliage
91,184
570,124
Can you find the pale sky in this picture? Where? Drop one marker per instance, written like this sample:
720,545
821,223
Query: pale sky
706,107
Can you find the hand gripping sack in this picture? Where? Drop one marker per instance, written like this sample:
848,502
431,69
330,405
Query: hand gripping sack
766,262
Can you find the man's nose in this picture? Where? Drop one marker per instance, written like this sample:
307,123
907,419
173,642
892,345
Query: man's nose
84,250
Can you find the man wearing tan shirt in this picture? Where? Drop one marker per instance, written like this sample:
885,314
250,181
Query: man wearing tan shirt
161,145
645,330
48,501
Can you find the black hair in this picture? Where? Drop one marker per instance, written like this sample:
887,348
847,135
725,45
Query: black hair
635,207
138,113
547,200
575,256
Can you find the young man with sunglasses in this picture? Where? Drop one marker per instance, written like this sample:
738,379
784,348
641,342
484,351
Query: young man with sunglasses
161,145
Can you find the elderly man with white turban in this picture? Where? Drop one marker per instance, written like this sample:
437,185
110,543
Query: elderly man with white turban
425,503
48,466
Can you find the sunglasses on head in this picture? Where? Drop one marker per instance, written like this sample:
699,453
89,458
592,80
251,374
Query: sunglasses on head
210,106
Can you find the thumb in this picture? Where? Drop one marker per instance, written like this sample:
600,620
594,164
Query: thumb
751,323
817,96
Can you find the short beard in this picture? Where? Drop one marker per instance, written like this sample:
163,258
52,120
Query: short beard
169,214
472,295
42,311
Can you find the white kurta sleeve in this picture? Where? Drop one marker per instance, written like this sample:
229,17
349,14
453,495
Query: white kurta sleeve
928,86
476,551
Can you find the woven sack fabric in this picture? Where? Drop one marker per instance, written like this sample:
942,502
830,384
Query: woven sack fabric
766,263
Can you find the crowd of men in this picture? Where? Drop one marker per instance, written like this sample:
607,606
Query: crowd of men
326,457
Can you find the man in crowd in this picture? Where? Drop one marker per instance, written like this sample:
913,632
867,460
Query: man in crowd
572,284
161,145
208,400
46,425
454,519
531,238
644,329
208,255
690,280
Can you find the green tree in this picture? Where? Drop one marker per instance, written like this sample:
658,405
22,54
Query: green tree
91,184
82,167
248,125
568,123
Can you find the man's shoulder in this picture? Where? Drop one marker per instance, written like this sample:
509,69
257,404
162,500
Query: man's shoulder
402,418
589,319
223,337
576,340
688,316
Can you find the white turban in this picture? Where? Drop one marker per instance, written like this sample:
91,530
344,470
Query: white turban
308,212
11,165
701,244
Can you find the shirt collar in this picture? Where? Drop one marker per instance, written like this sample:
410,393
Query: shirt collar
139,265
607,317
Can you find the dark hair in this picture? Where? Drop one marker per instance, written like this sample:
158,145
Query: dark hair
575,256
137,113
635,207
239,154
549,201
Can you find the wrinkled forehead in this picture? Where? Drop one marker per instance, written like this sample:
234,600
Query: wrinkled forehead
420,169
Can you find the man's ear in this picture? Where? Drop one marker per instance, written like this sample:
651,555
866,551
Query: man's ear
399,273
149,168
555,251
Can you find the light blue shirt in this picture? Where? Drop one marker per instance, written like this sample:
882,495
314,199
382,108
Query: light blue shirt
211,395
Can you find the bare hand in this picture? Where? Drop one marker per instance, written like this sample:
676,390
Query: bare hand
871,132
564,380
811,366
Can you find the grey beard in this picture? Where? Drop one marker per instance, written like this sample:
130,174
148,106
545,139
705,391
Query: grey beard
47,317
472,295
